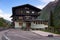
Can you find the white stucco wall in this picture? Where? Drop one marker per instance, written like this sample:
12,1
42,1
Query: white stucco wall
17,25
24,24
32,25
38,25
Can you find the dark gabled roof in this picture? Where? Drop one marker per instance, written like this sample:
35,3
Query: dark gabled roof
28,5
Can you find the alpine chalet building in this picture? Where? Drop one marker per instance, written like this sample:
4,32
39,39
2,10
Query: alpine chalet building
25,16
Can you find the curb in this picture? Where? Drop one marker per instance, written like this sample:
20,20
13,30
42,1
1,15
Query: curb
37,34
46,35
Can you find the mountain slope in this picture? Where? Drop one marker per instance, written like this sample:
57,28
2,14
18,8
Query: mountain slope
52,13
4,23
56,15
45,13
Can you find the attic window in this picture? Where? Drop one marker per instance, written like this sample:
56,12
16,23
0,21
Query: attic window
26,8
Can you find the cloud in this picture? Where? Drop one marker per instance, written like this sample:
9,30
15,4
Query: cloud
5,15
44,3
41,6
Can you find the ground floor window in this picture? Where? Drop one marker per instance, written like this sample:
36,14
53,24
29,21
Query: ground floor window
40,22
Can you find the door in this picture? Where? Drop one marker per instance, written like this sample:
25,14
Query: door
28,25
20,24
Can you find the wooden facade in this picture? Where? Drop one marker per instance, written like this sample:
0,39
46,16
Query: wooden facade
25,15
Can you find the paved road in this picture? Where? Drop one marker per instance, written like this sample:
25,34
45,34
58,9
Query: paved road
2,33
27,35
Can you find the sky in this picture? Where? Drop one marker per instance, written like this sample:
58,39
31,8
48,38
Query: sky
6,6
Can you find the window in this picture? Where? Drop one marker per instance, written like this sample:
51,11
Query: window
20,17
34,22
39,12
21,11
26,8
20,24
32,11
27,17
33,18
27,12
38,22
